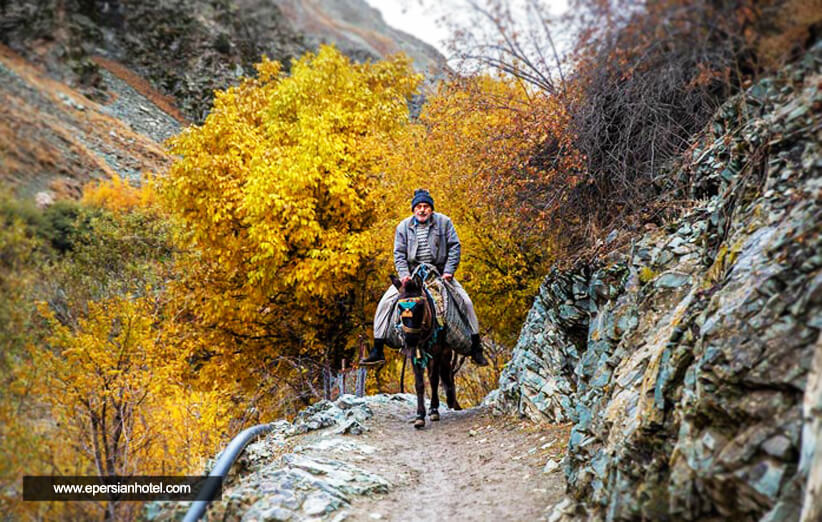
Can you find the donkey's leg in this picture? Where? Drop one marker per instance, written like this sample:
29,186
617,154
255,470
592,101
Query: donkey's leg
434,379
419,385
448,382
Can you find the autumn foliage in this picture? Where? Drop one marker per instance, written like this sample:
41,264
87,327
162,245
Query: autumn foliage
119,196
474,145
148,324
278,195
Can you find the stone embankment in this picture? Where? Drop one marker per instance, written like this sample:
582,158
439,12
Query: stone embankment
690,360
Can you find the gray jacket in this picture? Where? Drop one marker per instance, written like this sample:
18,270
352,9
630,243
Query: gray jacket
442,237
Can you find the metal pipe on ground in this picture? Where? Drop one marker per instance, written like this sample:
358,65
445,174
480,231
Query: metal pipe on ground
224,463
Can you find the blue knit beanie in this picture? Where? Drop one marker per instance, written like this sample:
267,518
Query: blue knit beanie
421,196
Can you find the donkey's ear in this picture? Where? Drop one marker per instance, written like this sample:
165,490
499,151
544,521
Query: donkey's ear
396,281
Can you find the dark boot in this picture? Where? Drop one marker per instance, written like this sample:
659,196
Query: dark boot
375,356
476,351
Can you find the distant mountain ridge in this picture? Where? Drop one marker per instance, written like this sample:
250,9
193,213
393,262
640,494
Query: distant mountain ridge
358,30
149,68
188,48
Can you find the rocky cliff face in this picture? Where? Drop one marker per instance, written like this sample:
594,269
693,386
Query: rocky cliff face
188,48
689,361
93,88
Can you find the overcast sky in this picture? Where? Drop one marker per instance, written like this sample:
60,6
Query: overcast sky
411,17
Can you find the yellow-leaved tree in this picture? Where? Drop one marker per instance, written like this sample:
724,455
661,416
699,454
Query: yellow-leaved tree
277,194
497,157
113,389
93,383
99,377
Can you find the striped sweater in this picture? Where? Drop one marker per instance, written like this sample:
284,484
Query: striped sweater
424,254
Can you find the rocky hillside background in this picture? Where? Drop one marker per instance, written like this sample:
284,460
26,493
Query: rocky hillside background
54,139
91,89
688,359
358,30
187,49
184,49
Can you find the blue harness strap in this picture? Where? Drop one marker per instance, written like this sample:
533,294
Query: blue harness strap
422,361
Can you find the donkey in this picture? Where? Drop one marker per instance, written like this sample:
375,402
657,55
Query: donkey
425,348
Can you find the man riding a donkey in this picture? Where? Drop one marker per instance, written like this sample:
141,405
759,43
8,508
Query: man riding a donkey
426,255
424,237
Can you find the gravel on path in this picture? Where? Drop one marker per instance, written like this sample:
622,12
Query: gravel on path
468,466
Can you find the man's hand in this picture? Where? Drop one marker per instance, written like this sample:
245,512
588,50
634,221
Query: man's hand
448,277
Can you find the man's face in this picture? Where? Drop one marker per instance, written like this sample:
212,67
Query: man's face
422,211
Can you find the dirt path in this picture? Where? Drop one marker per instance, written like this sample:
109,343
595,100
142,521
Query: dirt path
361,459
468,466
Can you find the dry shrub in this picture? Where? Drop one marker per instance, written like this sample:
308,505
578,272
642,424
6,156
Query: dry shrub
641,79
652,74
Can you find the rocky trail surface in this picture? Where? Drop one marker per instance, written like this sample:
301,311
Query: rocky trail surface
361,459
468,466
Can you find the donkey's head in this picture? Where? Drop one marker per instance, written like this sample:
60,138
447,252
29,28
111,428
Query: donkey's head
414,312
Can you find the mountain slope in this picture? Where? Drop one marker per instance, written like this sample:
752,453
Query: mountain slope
188,48
358,30
91,92
54,139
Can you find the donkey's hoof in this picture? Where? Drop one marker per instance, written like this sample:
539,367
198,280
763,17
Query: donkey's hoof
419,423
434,414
